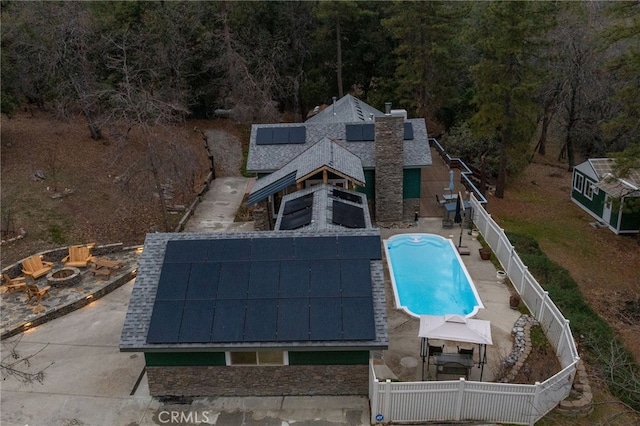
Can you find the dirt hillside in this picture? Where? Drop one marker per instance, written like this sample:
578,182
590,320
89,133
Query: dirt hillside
62,187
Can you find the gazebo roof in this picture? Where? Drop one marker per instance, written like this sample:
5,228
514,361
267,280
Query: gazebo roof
456,328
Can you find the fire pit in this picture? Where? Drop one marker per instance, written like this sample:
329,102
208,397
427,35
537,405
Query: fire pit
64,277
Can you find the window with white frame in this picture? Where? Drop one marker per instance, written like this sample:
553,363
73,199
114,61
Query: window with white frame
588,189
257,358
578,181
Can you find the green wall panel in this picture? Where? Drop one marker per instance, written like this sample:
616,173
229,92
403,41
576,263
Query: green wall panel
411,183
370,188
329,358
155,359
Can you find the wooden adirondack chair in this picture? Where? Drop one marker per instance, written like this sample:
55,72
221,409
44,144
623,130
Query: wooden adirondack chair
35,267
14,284
78,256
35,293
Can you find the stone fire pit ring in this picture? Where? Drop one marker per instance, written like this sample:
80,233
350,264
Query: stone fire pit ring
64,277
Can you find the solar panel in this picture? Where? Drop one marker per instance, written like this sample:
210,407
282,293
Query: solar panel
293,320
264,136
360,132
325,278
261,320
355,198
280,135
355,277
296,220
173,281
272,249
358,322
325,319
230,250
294,279
368,132
359,247
197,320
203,281
316,248
264,280
186,251
234,280
298,134
408,131
347,215
353,132
298,204
165,321
320,290
228,321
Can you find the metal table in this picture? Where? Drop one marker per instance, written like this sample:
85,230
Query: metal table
454,364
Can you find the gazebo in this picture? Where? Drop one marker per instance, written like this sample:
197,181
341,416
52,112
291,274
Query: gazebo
456,328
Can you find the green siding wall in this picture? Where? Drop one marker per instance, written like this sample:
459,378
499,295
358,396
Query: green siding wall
596,205
154,359
370,188
411,183
329,358
630,221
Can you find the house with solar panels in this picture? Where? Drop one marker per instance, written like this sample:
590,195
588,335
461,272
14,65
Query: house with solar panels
262,313
611,200
350,145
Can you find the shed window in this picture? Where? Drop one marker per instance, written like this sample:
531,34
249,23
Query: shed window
578,181
588,190
257,358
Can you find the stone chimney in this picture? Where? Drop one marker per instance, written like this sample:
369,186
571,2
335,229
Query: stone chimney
389,160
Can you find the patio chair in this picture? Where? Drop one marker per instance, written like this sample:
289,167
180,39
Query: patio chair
35,293
463,351
35,267
79,256
440,202
14,284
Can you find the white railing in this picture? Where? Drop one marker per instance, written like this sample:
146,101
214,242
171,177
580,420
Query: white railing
409,402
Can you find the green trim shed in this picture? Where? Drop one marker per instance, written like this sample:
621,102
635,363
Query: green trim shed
613,201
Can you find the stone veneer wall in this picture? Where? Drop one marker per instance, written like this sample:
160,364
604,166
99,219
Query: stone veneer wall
290,380
389,160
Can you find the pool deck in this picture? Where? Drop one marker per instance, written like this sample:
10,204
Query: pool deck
403,355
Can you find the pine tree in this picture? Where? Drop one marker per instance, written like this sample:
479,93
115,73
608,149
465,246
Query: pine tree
505,80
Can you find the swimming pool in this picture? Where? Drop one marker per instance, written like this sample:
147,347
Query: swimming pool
428,276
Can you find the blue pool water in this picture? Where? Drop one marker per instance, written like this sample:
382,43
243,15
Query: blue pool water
428,276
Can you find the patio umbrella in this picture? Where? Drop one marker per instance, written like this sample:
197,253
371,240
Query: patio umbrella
458,216
451,185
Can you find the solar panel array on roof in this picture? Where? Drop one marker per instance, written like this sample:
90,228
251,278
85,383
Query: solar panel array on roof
360,132
310,289
354,198
296,220
281,135
347,215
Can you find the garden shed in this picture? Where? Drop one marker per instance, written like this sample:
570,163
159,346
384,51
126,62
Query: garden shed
613,201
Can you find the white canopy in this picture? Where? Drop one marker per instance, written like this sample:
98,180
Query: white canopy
456,328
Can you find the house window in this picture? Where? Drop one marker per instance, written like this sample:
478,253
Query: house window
588,190
578,181
257,358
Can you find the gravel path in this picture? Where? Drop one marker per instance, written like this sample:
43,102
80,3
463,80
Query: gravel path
227,152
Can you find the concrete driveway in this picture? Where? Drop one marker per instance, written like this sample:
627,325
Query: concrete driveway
88,381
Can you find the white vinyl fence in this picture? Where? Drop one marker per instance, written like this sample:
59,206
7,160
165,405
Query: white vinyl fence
409,402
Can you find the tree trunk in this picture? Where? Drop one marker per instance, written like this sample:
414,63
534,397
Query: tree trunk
571,122
542,142
339,58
